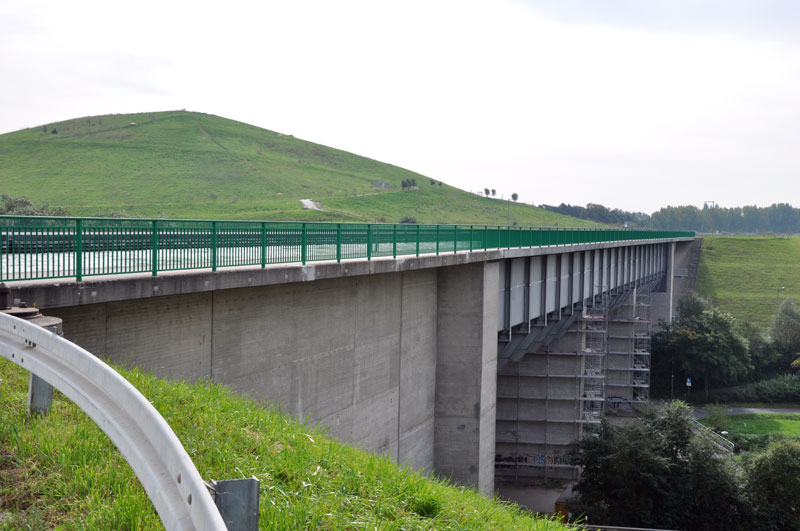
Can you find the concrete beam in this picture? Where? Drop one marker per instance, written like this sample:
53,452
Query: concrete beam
93,290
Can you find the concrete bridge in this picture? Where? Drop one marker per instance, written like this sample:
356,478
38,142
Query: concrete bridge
470,364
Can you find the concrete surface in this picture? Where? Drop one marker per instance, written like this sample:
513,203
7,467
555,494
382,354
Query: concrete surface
466,369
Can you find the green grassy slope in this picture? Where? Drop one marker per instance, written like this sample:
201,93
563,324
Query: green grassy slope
742,275
193,165
60,471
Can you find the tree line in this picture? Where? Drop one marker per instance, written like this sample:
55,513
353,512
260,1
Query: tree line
779,217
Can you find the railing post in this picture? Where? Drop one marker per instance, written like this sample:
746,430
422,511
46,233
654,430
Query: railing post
79,250
303,242
417,240
485,237
338,242
154,247
394,241
213,246
437,240
470,238
369,241
455,239
263,244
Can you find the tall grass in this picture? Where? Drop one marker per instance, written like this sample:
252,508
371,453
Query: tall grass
60,471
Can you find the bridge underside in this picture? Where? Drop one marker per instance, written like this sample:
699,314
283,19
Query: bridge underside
573,343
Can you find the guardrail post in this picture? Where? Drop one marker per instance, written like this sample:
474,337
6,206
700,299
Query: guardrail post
79,250
394,241
338,242
303,242
213,246
417,240
263,245
237,501
369,241
154,248
40,393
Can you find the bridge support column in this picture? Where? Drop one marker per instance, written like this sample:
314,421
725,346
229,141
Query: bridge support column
466,374
661,302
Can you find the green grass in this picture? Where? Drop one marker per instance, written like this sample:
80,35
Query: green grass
191,165
787,425
742,275
60,471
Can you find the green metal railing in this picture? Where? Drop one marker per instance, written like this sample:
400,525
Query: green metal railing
50,247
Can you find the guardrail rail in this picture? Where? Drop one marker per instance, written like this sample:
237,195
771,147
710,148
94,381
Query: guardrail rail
34,248
141,434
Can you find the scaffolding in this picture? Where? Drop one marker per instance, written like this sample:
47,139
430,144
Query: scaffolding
592,335
629,354
548,399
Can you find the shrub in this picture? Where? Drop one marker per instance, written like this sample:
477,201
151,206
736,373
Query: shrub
782,388
408,219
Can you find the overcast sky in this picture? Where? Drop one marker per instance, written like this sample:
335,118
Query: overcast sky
633,104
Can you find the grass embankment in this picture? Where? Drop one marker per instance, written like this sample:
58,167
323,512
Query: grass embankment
61,470
754,432
742,275
191,165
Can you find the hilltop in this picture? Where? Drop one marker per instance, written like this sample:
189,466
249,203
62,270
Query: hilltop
60,471
192,165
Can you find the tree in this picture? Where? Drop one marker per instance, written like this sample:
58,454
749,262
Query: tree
704,343
774,480
404,184
658,472
515,196
486,191
785,330
22,206
433,181
494,192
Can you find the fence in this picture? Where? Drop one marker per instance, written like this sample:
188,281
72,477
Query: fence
50,247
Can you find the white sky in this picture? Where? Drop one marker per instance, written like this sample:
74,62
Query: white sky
632,104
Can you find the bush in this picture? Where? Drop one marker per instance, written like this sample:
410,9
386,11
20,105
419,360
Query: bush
782,388
408,219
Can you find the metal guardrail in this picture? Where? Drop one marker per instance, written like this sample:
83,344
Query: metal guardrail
51,247
138,430
721,442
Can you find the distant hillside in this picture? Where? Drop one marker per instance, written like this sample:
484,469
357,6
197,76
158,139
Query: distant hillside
194,165
742,275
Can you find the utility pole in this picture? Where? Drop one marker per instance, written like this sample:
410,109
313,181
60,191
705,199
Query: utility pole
712,208
778,302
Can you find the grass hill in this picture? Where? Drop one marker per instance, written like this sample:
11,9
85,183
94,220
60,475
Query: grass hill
192,165
742,275
60,471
